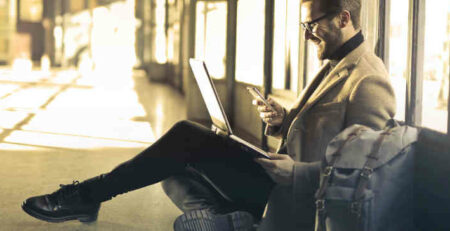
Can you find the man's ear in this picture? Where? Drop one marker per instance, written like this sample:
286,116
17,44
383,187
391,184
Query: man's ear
344,19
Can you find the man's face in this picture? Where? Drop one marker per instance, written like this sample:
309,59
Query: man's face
325,33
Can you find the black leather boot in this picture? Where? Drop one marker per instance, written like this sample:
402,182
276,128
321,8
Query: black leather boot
62,205
204,220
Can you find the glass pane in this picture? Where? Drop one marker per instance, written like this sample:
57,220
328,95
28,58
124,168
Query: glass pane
293,34
200,36
31,10
210,42
216,35
398,53
436,65
369,21
313,62
173,33
147,32
160,40
279,46
250,42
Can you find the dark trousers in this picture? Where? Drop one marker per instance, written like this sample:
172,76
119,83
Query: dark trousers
201,169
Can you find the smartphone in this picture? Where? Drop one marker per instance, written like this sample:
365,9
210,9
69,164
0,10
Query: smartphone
257,95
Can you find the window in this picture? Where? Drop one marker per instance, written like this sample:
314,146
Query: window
310,60
369,21
436,65
293,36
173,32
210,36
286,45
31,10
160,37
398,53
279,45
313,63
250,41
147,32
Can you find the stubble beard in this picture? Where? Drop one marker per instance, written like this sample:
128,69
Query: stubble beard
330,43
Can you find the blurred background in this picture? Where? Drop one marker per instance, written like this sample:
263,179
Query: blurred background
88,84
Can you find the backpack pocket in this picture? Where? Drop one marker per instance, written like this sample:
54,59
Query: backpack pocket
342,214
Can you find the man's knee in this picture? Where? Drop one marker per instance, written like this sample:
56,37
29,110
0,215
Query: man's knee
188,127
183,125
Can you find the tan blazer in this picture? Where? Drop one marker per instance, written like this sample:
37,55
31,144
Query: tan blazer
356,91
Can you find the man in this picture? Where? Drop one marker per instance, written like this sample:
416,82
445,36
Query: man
198,165
352,88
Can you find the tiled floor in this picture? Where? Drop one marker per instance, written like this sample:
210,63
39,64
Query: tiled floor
60,126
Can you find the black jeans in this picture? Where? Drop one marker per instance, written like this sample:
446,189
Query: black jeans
202,169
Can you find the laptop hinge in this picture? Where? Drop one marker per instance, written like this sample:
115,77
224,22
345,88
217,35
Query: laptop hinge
218,131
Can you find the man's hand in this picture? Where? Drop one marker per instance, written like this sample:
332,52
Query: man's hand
280,168
273,118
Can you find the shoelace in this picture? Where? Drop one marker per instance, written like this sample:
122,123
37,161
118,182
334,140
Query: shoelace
65,191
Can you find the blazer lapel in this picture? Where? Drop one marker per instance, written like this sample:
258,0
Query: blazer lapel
337,75
311,87
309,97
306,94
335,78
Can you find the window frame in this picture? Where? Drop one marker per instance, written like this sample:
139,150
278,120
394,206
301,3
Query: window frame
448,105
205,38
416,37
415,60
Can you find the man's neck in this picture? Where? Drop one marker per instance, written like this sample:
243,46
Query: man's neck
346,48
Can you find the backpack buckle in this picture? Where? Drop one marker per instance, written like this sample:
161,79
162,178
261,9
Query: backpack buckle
327,171
355,207
320,205
366,172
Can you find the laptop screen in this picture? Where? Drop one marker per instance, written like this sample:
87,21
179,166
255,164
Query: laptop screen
209,94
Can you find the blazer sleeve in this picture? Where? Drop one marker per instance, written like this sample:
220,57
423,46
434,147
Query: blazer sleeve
306,177
371,103
305,184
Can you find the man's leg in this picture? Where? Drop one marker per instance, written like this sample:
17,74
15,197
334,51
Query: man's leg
185,144
189,192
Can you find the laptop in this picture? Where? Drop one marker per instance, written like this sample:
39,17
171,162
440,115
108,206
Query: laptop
221,125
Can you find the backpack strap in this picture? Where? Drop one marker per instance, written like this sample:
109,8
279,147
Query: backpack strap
326,173
366,172
325,182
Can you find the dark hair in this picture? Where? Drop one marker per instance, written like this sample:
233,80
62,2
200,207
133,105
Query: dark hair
331,6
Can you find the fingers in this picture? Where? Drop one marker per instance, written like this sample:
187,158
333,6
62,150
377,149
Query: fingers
264,109
268,116
257,102
265,163
270,164
272,116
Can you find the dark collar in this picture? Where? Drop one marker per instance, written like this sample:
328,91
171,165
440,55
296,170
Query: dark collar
347,47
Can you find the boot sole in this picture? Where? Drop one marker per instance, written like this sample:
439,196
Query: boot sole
202,220
80,217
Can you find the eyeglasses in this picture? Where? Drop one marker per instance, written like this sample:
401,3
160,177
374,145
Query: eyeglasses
309,26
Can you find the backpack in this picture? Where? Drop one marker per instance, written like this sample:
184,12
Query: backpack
367,180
